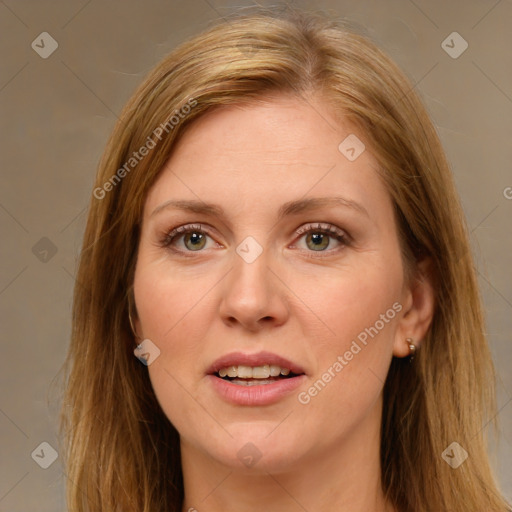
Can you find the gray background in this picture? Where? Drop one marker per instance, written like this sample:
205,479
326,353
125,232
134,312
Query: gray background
56,115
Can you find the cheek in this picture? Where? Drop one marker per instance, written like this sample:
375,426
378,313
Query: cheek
173,316
346,302
353,348
168,303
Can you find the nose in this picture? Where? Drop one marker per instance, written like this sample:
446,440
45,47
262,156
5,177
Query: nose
252,296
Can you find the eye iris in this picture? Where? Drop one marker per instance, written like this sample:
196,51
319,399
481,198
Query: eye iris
197,240
320,241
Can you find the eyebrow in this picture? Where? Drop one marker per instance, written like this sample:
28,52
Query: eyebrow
289,208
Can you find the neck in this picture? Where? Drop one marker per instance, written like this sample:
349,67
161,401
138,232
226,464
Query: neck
341,478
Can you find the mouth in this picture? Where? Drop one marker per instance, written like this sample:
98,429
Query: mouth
243,375
254,379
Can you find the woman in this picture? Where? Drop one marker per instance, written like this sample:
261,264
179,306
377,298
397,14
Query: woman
275,234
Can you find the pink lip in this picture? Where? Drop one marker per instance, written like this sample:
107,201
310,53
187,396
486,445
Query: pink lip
259,359
263,394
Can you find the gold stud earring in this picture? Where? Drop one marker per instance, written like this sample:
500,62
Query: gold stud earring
412,348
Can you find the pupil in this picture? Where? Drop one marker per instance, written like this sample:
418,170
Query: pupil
196,241
195,238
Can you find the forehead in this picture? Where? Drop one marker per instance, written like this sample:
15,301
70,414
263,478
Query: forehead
272,128
274,150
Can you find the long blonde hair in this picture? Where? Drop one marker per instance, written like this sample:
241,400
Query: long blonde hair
122,452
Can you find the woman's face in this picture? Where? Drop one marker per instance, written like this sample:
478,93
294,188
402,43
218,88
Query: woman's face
268,248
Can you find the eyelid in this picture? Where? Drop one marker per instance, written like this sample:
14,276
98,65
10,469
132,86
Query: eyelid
323,227
320,226
186,228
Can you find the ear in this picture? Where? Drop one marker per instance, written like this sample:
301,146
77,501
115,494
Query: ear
418,301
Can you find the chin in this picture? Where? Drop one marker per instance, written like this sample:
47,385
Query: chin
258,447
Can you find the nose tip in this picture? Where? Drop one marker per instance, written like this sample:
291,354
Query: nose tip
252,296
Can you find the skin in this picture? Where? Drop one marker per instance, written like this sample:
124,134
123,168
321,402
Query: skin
298,302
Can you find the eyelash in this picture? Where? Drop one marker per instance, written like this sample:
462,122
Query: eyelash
318,227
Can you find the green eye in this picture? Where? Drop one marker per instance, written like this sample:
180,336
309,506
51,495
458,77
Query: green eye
319,236
194,241
317,241
191,238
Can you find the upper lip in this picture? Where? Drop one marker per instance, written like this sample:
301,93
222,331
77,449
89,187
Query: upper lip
259,359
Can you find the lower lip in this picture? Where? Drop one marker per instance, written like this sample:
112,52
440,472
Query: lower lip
264,394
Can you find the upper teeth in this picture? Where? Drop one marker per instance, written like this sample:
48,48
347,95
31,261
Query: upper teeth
253,372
